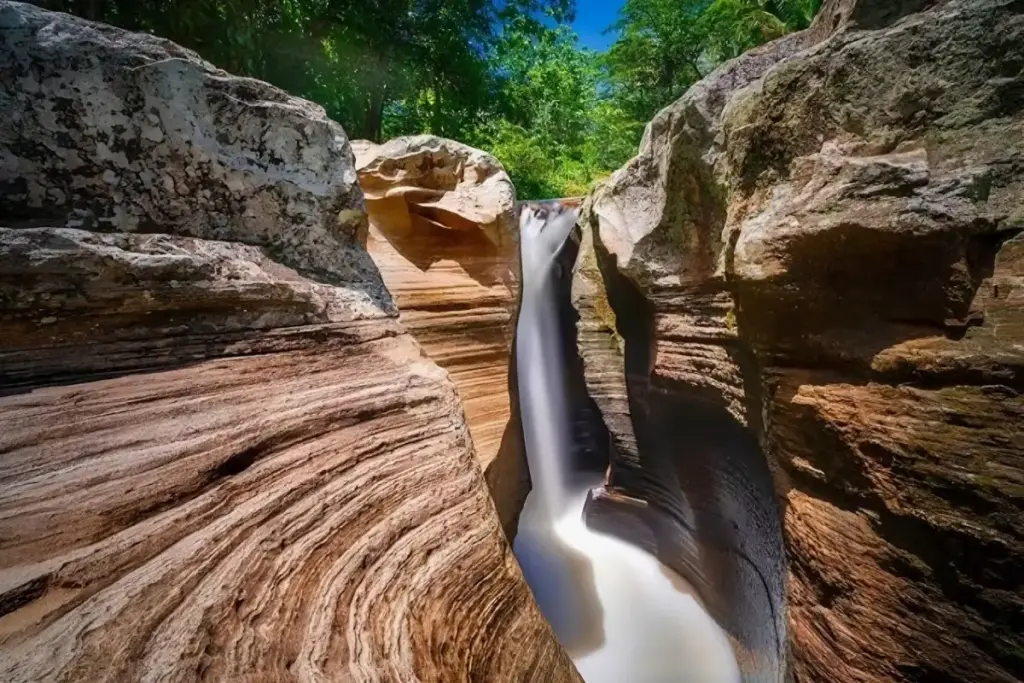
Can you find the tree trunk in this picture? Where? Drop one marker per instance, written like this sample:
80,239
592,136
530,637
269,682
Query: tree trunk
373,126
93,10
436,125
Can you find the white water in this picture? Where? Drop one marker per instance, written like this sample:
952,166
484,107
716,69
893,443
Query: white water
621,615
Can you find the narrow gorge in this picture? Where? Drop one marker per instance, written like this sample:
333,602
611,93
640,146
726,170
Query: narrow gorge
280,406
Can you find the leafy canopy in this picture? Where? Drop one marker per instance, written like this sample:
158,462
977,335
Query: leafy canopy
508,76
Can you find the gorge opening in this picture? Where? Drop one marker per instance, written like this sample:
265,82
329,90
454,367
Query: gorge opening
619,612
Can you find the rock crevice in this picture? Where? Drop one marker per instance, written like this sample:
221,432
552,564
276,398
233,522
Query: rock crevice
827,231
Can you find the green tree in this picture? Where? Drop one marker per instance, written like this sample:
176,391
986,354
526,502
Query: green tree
355,57
552,122
505,75
659,53
734,26
665,46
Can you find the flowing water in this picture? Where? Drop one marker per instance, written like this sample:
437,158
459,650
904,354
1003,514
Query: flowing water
621,615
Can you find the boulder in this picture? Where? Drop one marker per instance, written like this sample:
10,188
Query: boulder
442,230
804,298
137,134
224,458
426,181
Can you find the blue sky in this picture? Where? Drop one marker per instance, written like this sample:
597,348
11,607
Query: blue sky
593,17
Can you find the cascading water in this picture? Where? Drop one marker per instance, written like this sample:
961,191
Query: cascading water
620,614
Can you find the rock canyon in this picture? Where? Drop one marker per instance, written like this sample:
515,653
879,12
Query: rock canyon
224,458
259,408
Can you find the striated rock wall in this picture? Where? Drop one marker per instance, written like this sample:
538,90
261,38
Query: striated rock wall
819,246
224,458
442,231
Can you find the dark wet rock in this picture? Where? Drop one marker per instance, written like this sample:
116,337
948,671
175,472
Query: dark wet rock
817,256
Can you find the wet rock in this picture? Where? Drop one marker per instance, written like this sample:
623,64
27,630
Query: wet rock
819,247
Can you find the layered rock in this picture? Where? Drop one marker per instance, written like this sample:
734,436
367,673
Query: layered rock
442,231
224,458
820,246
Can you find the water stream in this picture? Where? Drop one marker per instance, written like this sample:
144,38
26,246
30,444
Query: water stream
621,615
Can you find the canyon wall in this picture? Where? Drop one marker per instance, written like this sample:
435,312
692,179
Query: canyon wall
224,458
442,231
817,260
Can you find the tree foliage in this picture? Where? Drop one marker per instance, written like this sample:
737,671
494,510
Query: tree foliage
665,46
553,124
354,57
508,76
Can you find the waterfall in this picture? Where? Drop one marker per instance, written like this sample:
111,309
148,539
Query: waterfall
543,231
620,614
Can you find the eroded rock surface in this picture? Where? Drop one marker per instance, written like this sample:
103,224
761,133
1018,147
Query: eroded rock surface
224,458
140,135
442,231
821,245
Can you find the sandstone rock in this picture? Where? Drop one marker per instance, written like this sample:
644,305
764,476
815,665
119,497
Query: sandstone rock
224,458
442,231
439,182
821,243
229,480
